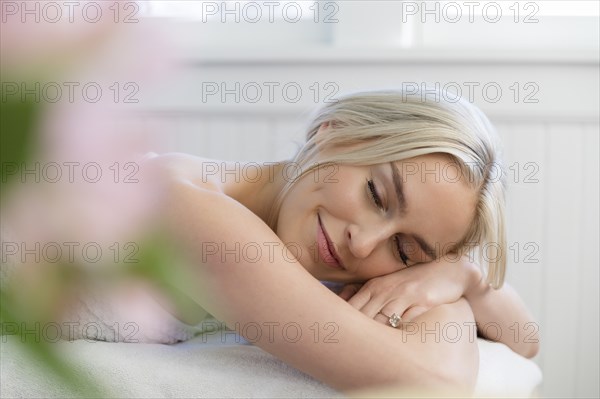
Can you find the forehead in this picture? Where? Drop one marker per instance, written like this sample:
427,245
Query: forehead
436,167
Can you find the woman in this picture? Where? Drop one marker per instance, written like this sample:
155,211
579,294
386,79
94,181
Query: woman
390,190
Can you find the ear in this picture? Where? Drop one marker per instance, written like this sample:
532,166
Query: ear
324,131
321,133
324,126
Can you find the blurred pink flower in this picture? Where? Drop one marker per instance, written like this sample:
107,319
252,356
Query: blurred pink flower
38,33
97,140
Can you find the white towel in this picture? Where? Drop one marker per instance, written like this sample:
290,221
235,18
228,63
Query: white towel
215,366
129,314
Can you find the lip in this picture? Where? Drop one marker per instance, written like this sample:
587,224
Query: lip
326,249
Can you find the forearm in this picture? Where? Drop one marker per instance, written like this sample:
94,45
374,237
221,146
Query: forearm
502,316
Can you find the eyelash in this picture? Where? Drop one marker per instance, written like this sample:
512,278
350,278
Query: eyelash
374,195
377,200
401,253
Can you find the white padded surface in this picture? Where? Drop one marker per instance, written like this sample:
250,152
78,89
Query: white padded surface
215,366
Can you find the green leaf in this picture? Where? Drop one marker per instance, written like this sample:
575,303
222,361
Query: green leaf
18,121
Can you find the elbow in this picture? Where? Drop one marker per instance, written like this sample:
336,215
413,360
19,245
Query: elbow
529,347
431,382
532,349
461,370
461,379
454,381
457,373
450,375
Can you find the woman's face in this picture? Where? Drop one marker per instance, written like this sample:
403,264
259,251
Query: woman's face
353,223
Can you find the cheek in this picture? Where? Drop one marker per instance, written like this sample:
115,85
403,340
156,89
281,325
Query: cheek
342,196
296,210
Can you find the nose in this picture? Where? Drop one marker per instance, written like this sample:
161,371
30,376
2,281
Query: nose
362,240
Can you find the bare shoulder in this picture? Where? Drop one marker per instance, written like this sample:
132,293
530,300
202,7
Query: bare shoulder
196,214
179,167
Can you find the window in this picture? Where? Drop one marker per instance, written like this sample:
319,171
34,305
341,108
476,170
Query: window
241,23
372,25
233,11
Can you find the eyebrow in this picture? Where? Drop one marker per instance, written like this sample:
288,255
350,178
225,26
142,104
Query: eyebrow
398,188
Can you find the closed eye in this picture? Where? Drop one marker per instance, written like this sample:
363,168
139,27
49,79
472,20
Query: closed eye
377,200
400,250
374,195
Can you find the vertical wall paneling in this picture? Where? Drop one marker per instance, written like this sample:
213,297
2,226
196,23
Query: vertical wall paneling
524,158
161,130
192,135
559,333
253,137
288,136
224,133
587,369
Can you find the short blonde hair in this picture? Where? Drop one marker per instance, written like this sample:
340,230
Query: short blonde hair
387,126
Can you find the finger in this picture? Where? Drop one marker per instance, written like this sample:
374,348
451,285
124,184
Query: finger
381,319
413,312
348,291
386,310
380,304
361,298
386,316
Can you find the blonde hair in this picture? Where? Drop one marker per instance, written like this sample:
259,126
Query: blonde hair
387,126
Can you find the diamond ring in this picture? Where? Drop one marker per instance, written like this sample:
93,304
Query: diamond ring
394,319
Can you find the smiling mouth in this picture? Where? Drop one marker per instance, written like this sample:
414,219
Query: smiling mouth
326,249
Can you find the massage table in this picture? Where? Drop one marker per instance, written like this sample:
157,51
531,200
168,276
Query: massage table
215,364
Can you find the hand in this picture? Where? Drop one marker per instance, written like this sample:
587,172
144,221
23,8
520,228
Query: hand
412,291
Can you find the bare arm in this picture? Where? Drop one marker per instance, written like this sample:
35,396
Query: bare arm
325,337
502,316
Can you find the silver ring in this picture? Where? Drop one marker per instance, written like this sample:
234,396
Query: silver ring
394,319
